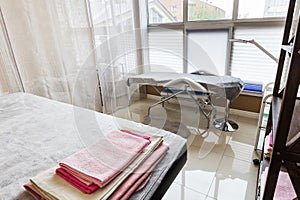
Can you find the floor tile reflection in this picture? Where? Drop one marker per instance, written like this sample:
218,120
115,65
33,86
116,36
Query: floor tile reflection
219,164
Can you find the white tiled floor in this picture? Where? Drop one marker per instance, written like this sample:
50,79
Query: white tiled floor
219,164
224,172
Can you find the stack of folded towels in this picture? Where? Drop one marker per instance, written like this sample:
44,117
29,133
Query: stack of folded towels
113,168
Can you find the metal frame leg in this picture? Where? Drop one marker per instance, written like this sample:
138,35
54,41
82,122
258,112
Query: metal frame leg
163,100
207,115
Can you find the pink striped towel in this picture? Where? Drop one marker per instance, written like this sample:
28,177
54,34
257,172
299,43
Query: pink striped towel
132,133
104,160
88,189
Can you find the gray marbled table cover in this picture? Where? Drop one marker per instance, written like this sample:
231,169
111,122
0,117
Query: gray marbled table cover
228,87
37,133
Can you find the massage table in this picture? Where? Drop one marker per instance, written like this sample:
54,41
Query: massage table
37,133
226,87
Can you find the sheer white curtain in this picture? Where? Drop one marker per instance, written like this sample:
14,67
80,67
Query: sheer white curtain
115,36
52,45
10,81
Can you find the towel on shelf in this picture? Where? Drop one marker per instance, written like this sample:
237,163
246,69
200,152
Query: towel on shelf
284,187
104,160
268,149
271,140
53,187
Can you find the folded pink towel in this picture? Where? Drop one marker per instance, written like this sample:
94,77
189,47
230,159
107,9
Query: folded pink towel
104,160
132,133
141,175
271,140
34,192
284,187
146,178
88,189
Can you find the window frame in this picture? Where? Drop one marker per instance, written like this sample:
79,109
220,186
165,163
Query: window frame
229,24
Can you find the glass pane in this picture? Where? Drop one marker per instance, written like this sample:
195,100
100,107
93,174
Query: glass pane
165,11
207,51
209,10
262,8
166,50
249,62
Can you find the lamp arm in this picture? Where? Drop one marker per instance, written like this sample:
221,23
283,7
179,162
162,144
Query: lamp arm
264,50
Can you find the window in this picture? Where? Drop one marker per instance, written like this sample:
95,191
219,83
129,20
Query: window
209,26
262,8
166,50
250,63
169,11
155,16
202,51
209,10
174,8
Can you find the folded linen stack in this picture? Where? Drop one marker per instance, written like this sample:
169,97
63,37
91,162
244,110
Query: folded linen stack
113,168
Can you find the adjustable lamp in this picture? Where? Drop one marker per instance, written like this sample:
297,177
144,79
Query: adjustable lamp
257,45
225,124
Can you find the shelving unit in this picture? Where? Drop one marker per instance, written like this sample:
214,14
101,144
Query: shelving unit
284,116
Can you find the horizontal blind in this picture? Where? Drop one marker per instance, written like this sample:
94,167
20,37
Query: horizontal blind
248,62
165,50
207,51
